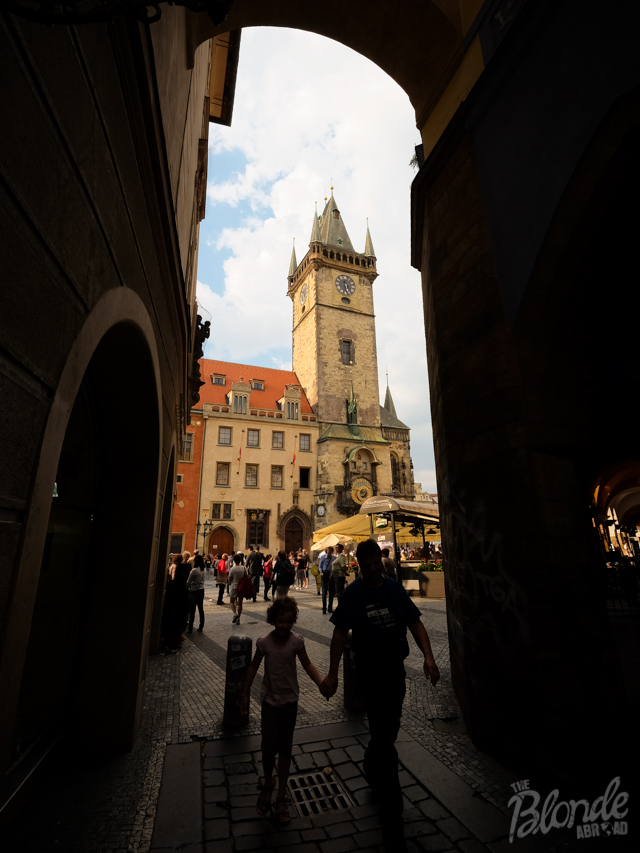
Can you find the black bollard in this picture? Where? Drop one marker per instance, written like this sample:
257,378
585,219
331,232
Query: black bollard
352,701
239,650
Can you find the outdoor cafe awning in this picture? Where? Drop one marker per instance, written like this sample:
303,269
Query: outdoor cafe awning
358,527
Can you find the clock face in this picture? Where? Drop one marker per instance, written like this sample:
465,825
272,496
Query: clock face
361,490
320,510
345,285
303,294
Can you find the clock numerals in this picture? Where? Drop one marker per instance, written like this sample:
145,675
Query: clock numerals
345,285
303,294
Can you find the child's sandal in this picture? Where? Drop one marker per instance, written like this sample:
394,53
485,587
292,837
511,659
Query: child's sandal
282,812
264,800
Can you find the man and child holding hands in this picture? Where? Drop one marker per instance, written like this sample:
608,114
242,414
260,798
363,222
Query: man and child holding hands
378,611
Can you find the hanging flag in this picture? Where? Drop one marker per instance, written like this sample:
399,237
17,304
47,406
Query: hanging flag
240,451
293,461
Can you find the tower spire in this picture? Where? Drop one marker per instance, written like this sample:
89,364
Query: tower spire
315,230
293,266
368,243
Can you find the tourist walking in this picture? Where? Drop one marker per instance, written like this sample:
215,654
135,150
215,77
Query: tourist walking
301,565
378,611
222,577
339,571
235,576
255,569
195,586
279,697
268,572
388,564
283,576
174,613
324,567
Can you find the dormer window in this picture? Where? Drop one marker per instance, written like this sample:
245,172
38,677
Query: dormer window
217,379
257,385
292,411
239,404
336,214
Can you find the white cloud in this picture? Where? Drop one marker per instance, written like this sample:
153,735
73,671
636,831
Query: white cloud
309,110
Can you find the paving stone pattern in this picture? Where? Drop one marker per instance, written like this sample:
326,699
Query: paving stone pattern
111,807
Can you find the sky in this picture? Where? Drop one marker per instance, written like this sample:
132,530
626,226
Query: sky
310,113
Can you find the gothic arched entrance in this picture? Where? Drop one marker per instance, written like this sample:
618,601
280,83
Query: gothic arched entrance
221,541
293,535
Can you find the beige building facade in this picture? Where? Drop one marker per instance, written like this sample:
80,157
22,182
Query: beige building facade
363,448
259,459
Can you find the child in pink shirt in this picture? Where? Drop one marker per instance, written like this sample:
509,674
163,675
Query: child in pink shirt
279,695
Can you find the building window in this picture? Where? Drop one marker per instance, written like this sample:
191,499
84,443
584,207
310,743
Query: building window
239,405
277,440
219,511
224,435
253,438
256,532
187,447
257,385
364,466
222,474
305,478
251,475
178,478
292,411
276,476
177,541
305,442
395,478
348,352
217,380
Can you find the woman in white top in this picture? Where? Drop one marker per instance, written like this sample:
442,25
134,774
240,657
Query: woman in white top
235,575
195,585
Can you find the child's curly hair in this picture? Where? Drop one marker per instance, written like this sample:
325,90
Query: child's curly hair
286,604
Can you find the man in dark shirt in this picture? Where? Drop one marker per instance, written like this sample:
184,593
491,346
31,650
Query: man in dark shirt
254,567
378,611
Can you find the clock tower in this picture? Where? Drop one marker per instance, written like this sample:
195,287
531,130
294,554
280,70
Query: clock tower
335,360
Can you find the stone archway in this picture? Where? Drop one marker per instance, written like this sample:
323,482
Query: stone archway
293,535
222,541
86,446
296,529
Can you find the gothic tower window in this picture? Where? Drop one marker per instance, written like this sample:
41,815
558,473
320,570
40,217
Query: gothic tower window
395,472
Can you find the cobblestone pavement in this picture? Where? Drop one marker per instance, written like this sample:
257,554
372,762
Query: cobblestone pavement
111,807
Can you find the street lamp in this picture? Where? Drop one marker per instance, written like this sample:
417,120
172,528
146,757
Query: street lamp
206,529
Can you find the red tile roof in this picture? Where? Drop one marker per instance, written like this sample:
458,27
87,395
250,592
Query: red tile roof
274,382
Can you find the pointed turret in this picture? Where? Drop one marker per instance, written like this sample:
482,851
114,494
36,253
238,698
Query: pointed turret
332,229
388,416
368,245
315,229
293,266
388,402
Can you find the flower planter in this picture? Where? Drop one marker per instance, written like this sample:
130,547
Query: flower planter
422,584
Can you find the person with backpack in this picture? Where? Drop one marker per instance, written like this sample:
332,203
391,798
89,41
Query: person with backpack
284,575
254,567
378,612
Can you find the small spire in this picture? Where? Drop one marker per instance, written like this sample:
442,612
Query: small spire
368,243
388,401
315,229
293,266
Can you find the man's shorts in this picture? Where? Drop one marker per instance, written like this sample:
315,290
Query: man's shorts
278,724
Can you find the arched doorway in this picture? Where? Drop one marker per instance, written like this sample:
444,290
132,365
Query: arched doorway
78,671
293,535
221,541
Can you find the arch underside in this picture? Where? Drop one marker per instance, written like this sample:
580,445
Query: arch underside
418,44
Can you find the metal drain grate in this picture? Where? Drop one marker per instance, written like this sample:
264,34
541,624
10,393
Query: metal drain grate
314,794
